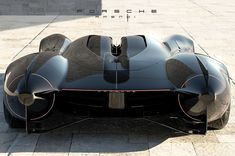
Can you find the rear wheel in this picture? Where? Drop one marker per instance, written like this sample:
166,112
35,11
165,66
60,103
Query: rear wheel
12,121
221,122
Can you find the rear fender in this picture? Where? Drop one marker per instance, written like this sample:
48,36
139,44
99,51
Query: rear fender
54,43
179,43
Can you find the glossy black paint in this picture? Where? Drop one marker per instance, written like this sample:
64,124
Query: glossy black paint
81,75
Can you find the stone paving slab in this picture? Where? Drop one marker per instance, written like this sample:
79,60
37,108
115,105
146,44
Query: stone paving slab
50,7
210,24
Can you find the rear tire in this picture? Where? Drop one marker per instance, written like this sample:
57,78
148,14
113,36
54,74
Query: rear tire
221,122
12,121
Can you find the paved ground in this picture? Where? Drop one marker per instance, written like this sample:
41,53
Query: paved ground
50,7
211,24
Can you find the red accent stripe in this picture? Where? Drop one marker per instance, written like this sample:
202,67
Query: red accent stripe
101,90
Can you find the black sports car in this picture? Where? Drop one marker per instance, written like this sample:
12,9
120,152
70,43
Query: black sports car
67,82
